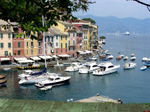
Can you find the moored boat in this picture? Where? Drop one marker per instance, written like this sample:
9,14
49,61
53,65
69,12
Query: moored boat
53,80
129,65
106,68
125,58
3,81
2,76
46,88
143,68
133,58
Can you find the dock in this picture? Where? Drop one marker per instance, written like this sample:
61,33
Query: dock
100,99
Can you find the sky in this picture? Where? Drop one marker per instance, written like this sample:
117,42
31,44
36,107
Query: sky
117,8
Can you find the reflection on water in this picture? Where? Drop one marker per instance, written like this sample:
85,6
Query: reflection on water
129,85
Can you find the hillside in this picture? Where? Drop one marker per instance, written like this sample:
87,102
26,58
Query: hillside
112,24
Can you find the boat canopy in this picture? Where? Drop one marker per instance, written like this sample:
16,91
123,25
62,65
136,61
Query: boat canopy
64,55
5,59
19,59
35,58
45,57
26,61
81,52
40,73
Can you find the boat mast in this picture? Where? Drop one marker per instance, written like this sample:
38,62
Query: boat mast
43,21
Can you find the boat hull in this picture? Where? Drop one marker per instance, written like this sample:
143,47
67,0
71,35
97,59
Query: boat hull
53,83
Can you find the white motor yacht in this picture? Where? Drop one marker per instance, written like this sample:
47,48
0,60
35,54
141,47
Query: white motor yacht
106,68
74,67
129,65
53,80
34,79
88,68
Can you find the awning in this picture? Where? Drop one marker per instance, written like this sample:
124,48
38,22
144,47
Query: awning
35,58
26,61
5,59
19,59
54,56
45,57
88,52
64,55
81,52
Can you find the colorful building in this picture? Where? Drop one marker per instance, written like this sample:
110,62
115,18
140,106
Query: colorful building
30,46
71,32
6,47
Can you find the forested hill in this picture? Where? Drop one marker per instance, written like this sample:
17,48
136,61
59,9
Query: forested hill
112,24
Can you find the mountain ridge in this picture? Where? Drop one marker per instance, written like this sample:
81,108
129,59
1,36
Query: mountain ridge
112,24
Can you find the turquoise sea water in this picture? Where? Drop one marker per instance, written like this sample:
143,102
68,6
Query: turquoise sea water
129,85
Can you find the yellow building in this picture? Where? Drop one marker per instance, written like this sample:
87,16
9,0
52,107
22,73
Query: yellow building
30,46
5,40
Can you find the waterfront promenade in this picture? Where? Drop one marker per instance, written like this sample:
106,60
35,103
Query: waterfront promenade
13,105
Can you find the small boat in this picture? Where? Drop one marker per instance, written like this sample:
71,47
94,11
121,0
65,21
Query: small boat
106,68
144,59
147,62
46,88
102,56
143,68
132,55
3,81
6,69
133,58
74,67
129,65
110,57
2,76
125,58
88,68
119,58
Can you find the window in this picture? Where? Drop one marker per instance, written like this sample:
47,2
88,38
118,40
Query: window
111,66
69,48
66,37
56,50
1,45
69,42
32,44
39,51
56,37
57,44
48,39
9,35
61,50
52,39
61,37
27,52
9,54
61,45
1,35
65,45
32,51
27,44
6,53
9,45
73,42
68,34
18,52
65,50
39,43
19,44
73,34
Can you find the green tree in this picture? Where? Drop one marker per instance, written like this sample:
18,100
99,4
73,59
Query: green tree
102,37
28,13
90,20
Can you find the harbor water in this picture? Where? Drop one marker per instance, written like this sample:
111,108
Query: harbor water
131,86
